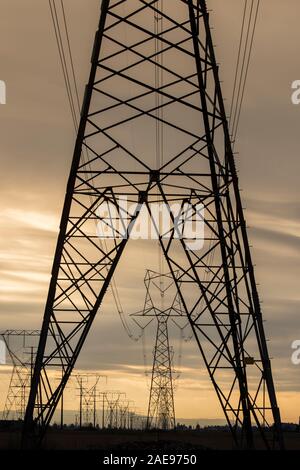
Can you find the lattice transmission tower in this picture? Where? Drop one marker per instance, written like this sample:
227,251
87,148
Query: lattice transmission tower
87,386
162,303
21,349
114,160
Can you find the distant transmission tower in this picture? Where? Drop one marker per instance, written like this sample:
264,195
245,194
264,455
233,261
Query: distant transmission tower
123,109
163,304
21,352
161,411
88,397
111,408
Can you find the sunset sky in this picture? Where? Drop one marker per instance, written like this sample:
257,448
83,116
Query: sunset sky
36,145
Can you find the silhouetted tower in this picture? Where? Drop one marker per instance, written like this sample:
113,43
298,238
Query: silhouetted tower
112,402
114,158
162,303
88,394
161,411
21,348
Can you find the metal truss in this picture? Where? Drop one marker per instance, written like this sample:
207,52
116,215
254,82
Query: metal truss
114,407
88,397
21,354
118,412
162,302
113,159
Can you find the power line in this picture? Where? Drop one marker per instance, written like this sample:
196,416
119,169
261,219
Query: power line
70,54
242,65
247,70
238,61
62,56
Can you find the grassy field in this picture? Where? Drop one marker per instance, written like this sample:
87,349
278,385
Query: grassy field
137,440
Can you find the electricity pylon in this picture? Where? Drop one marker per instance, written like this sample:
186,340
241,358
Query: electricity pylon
88,397
113,159
18,348
162,303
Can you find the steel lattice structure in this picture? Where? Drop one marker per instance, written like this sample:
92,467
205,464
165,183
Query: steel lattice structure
113,158
162,302
111,412
88,397
19,385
